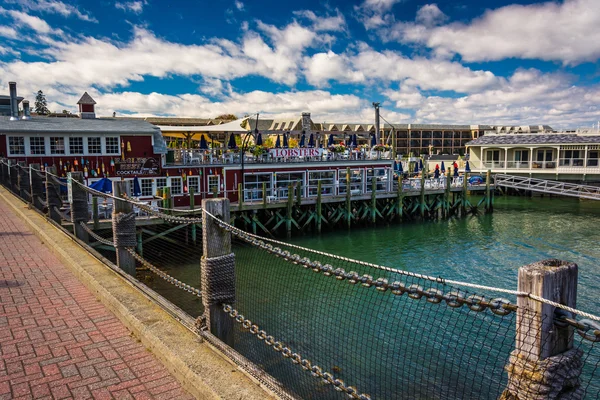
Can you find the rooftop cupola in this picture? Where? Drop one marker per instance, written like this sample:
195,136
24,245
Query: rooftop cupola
87,106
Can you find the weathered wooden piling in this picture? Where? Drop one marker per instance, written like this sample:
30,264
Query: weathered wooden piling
463,201
264,194
37,186
319,209
373,200
489,204
23,182
217,270
240,197
288,214
123,220
167,200
192,193
400,200
348,200
53,199
78,198
422,196
544,364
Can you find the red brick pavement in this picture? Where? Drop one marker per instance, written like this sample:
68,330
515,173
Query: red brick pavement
57,340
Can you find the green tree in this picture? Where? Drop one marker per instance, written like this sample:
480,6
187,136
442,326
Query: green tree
41,105
227,117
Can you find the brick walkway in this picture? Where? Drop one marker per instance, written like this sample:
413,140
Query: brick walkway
57,340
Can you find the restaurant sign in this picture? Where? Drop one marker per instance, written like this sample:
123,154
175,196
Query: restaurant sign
138,166
301,152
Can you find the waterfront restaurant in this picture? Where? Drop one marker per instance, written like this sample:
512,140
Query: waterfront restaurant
565,156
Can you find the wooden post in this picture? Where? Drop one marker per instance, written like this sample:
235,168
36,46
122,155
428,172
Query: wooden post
373,200
125,260
544,363
488,192
422,196
254,218
167,200
192,206
23,182
264,194
53,198
36,184
216,243
400,200
79,206
447,194
240,197
464,194
298,193
319,199
348,199
288,217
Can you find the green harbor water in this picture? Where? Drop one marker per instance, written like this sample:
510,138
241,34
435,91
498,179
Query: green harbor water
402,348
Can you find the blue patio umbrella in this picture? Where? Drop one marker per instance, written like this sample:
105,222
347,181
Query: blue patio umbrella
258,139
137,190
467,167
354,141
203,143
443,168
416,167
421,164
302,141
232,144
103,185
278,142
311,141
330,141
395,165
286,143
400,169
373,140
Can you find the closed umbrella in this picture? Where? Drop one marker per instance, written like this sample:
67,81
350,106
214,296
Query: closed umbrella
203,143
330,141
416,167
455,172
258,139
278,142
374,140
467,167
311,141
137,190
421,164
103,185
400,169
232,144
395,165
354,141
286,143
443,168
302,140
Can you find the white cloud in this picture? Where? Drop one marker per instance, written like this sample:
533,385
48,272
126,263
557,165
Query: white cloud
373,13
8,32
335,23
430,15
136,6
54,7
566,32
239,5
21,18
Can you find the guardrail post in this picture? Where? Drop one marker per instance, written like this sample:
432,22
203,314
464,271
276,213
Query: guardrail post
319,209
79,206
36,184
288,214
348,199
123,222
217,270
53,199
14,175
544,364
23,182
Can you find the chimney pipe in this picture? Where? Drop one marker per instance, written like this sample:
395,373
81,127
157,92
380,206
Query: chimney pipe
14,107
26,113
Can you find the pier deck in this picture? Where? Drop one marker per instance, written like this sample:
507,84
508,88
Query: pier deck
56,339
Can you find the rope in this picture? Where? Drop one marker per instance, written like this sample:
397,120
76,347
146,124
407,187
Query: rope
218,279
124,229
62,215
411,274
79,206
95,235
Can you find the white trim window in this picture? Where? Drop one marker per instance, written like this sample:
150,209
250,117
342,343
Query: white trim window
112,145
214,182
193,183
161,183
57,145
37,145
16,145
147,185
176,186
76,145
94,145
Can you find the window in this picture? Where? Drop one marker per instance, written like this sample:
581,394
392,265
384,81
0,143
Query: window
16,145
37,145
253,184
213,183
112,145
57,145
146,186
176,187
327,179
284,179
161,183
493,155
94,145
381,179
75,145
193,184
592,158
521,158
356,181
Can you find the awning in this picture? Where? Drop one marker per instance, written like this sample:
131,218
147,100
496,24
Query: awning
229,127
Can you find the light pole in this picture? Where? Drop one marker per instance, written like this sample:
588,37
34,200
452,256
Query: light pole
242,150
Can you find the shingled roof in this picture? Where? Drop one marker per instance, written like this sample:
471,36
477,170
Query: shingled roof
76,125
86,99
537,139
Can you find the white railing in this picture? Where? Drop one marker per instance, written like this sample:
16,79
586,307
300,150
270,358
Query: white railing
547,186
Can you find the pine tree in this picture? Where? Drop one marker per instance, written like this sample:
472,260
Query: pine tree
41,105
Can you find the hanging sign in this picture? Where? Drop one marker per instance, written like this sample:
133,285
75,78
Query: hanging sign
138,166
301,152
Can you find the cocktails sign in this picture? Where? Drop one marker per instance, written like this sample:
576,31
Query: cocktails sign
138,166
296,152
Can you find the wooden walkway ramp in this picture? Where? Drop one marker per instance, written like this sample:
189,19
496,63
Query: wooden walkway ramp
548,186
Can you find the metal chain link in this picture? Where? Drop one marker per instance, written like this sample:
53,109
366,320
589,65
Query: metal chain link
62,215
164,275
168,217
454,298
315,370
56,179
95,235
586,328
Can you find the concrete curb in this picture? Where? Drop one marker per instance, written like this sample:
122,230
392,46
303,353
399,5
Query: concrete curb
202,372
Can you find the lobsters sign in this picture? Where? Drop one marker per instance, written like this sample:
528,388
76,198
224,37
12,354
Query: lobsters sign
296,152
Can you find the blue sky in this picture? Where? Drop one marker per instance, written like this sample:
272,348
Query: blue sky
474,62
